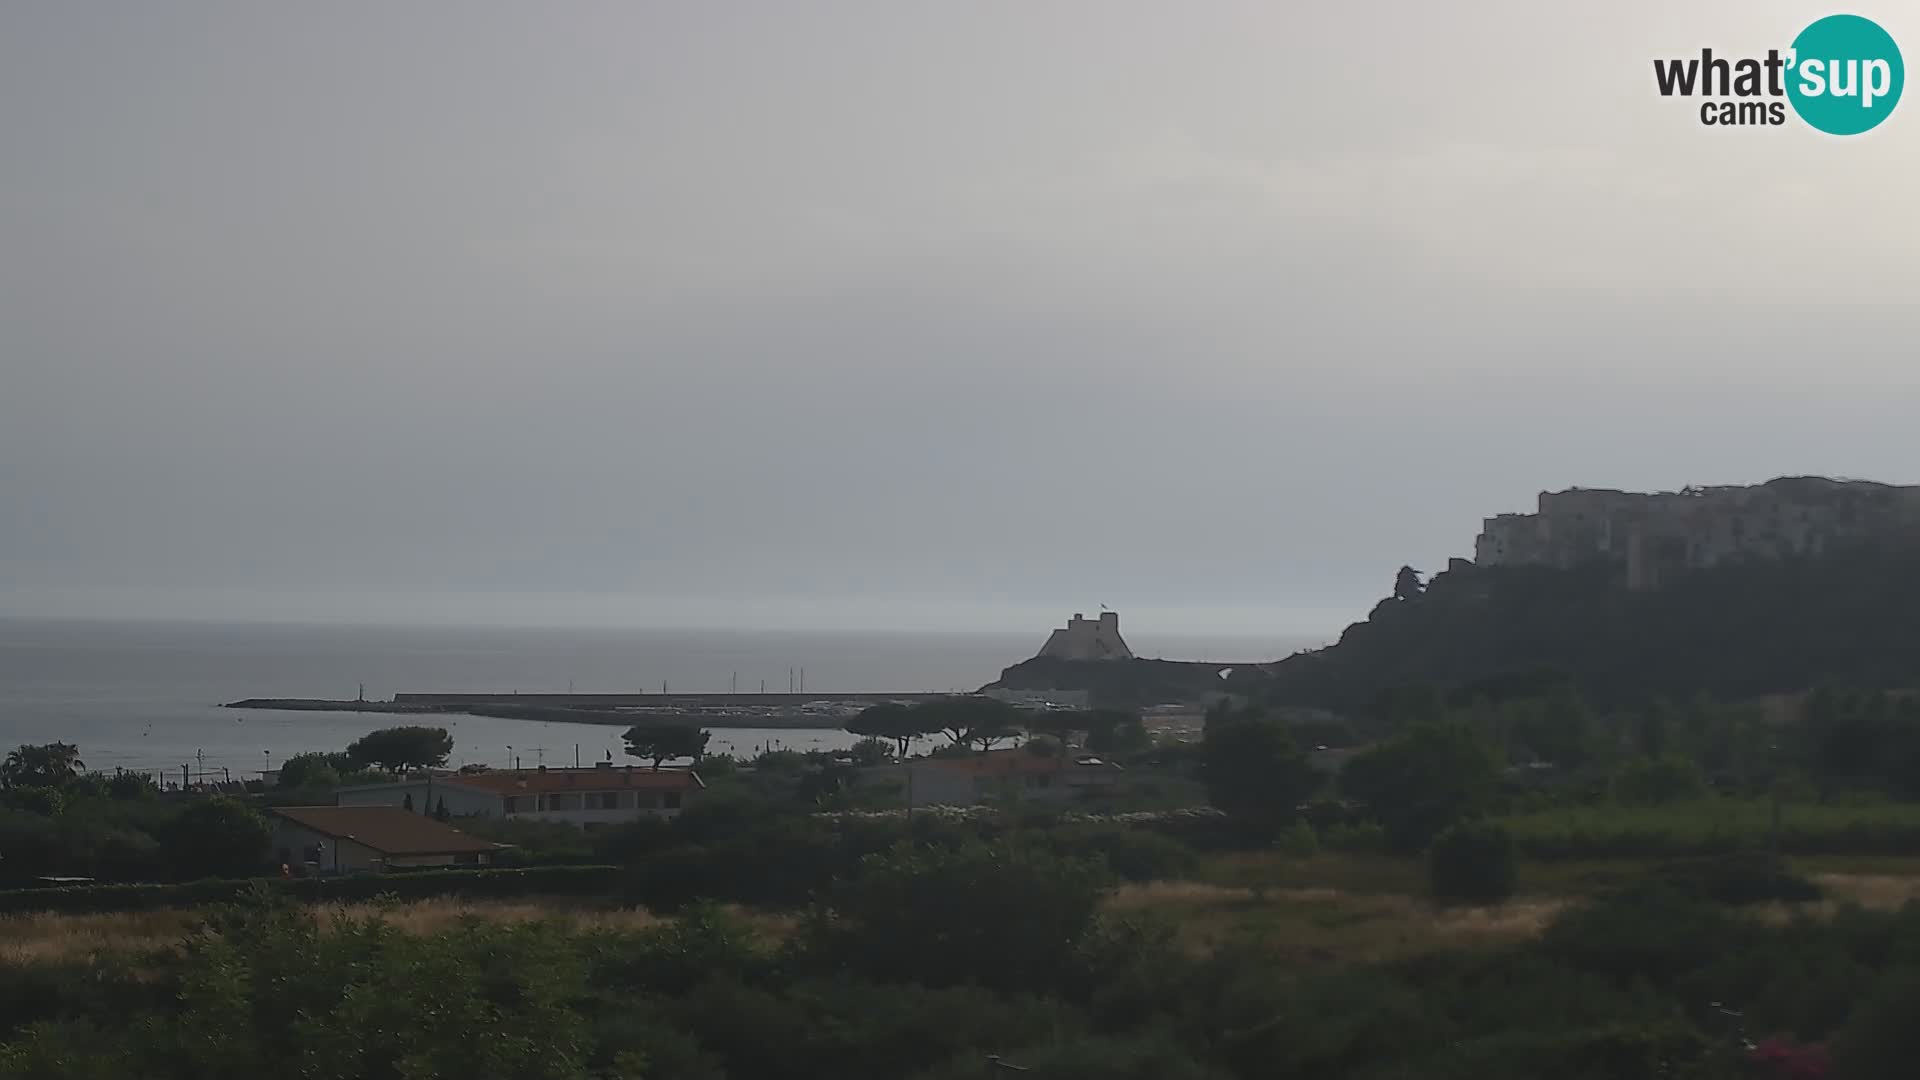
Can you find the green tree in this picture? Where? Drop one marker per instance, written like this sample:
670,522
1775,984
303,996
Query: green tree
1009,916
1253,768
1472,862
971,719
403,748
870,751
52,764
1655,781
1045,746
216,837
129,786
1406,584
659,742
1117,734
315,770
1063,724
1881,1041
1422,781
890,720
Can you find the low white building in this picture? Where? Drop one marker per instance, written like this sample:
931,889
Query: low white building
604,794
343,839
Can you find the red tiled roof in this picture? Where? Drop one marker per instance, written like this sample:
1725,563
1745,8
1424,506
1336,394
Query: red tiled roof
388,830
1018,762
535,781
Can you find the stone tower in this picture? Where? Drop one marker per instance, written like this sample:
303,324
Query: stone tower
1088,639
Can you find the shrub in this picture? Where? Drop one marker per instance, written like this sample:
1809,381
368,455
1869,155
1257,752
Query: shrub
1647,931
1010,916
1749,877
1472,862
1132,854
1365,838
1298,840
1882,1040
213,836
1660,780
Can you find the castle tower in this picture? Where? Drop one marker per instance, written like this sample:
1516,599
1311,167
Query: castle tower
1088,639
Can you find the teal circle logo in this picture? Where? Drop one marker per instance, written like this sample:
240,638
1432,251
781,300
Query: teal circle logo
1846,75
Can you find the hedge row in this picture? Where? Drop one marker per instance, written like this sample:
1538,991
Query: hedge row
1862,839
407,885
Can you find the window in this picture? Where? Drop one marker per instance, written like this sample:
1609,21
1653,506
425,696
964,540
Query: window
672,800
469,859
515,804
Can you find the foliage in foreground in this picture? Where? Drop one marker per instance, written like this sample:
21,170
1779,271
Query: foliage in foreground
1474,863
929,961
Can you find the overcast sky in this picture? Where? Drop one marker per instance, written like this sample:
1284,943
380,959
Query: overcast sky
893,314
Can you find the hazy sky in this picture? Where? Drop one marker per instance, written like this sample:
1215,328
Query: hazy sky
891,314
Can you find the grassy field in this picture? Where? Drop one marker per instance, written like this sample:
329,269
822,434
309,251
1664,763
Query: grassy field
1336,908
1326,926
46,936
1326,909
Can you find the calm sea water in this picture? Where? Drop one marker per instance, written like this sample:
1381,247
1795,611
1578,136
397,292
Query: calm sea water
145,695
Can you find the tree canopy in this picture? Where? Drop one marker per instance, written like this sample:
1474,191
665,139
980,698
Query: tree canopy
659,742
1253,767
1423,780
48,765
891,720
403,748
216,837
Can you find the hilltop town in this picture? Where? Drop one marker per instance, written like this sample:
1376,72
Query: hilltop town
1654,537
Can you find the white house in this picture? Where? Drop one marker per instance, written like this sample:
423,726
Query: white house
603,794
338,839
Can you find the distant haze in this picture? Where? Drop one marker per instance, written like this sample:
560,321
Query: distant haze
956,316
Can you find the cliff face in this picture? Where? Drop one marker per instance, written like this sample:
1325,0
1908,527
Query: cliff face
1733,631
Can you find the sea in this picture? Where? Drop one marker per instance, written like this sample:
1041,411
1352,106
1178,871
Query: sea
145,696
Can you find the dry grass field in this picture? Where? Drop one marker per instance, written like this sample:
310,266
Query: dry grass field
31,938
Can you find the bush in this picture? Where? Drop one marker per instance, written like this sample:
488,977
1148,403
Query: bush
1009,916
1882,1040
1668,778
1132,854
1750,877
1366,838
1298,840
1472,862
1647,931
217,836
